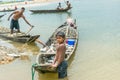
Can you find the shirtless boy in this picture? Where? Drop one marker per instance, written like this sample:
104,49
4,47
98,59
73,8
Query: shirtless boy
59,61
14,21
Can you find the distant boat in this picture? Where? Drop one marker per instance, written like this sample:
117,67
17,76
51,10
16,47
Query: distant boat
46,57
8,10
51,11
1,16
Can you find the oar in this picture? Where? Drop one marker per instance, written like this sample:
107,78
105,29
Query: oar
29,30
65,2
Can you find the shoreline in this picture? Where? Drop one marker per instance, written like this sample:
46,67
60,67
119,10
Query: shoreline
26,3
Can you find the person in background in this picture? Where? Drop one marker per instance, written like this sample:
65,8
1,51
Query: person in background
14,21
15,7
59,60
68,4
59,6
70,21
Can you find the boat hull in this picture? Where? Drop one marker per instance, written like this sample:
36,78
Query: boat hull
7,10
21,39
1,16
50,11
17,37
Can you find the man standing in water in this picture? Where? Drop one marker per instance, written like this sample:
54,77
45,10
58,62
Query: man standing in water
14,21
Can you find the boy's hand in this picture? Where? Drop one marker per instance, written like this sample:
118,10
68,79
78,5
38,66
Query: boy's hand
51,67
54,65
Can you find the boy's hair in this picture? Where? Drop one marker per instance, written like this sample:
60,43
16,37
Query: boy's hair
61,34
23,8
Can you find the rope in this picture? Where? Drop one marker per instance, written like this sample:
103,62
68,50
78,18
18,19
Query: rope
33,70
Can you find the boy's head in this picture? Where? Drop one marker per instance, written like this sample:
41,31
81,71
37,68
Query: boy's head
22,9
60,36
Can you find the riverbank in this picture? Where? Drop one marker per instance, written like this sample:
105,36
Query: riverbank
25,3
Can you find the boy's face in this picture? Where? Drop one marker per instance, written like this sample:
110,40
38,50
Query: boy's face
59,39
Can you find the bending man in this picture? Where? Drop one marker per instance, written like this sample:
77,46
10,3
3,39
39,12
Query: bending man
14,21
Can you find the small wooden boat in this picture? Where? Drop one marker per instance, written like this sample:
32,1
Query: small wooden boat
46,57
17,37
50,11
1,16
8,10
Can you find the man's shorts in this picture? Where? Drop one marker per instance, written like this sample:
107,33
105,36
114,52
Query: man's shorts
62,70
14,24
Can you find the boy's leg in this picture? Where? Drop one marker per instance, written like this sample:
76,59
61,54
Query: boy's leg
18,30
62,70
11,26
11,31
17,26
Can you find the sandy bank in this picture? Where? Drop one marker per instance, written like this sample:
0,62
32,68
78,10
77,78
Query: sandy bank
25,3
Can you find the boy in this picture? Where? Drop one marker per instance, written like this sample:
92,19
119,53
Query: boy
59,61
16,16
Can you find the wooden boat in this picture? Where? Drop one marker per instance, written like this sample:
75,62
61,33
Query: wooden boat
46,57
8,10
17,37
50,11
1,16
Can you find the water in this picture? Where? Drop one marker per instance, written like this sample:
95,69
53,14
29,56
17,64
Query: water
97,56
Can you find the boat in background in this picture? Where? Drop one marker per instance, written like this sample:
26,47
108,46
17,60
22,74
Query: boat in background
1,16
46,57
7,10
51,11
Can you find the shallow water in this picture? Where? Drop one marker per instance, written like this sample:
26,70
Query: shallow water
97,55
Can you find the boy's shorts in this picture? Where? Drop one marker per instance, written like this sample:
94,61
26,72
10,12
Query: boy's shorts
62,70
14,24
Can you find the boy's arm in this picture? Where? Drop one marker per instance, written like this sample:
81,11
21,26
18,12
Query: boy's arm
26,21
55,59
